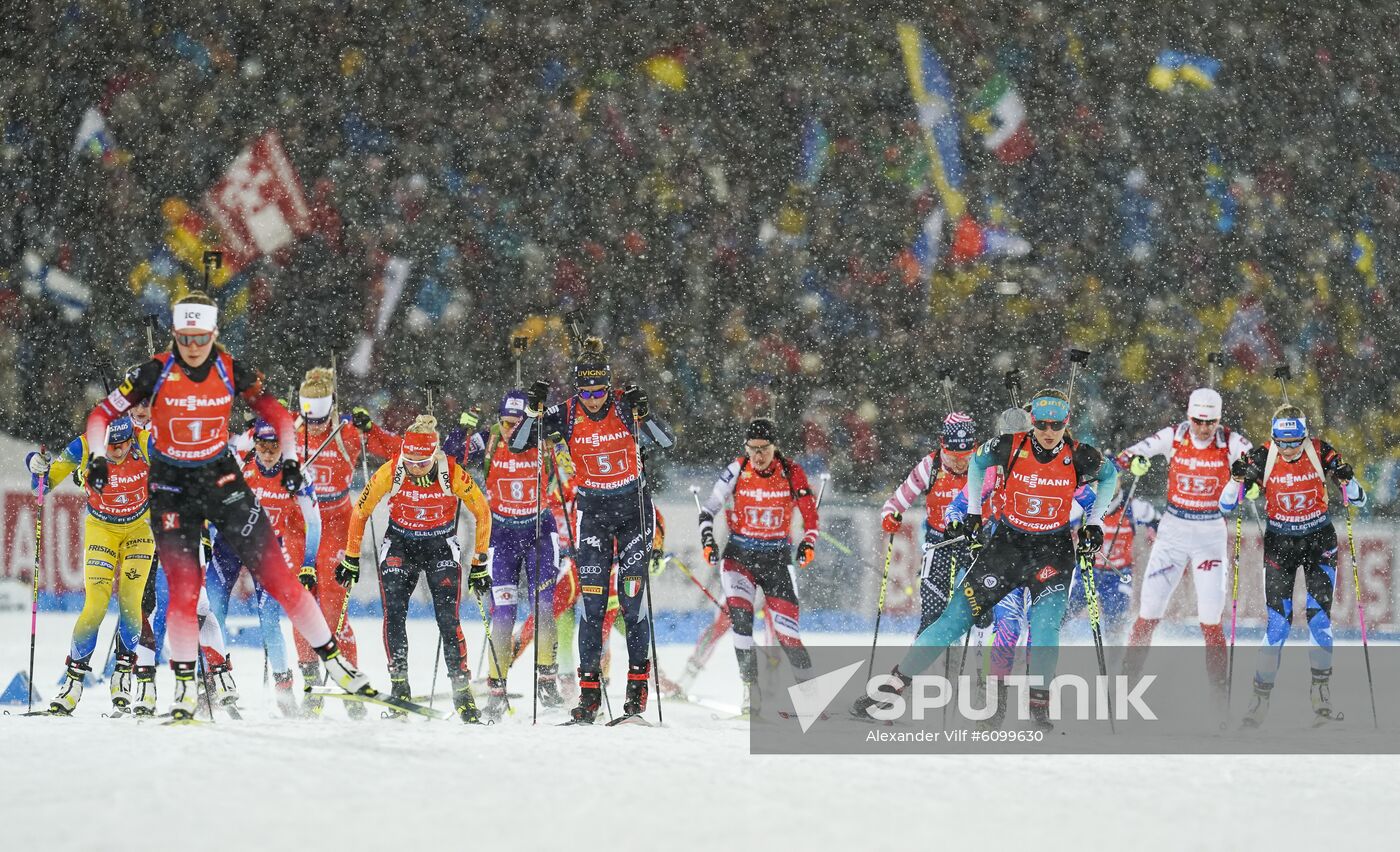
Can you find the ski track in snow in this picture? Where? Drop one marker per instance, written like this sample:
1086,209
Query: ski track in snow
268,783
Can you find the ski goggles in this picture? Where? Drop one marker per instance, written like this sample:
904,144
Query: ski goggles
600,393
203,339
1289,443
1048,425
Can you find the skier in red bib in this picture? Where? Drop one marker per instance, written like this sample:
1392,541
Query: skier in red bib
194,478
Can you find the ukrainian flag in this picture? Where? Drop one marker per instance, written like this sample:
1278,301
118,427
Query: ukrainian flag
938,118
1173,66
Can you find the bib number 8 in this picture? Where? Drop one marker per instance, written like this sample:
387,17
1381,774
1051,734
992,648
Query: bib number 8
516,490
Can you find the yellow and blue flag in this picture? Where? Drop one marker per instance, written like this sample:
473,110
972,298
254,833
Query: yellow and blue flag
1363,254
938,117
1174,66
1222,203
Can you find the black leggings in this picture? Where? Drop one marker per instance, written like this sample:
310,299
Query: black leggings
399,568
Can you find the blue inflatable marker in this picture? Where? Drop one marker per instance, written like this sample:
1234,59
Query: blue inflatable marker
17,693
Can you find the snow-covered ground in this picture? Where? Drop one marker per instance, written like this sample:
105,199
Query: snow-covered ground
90,783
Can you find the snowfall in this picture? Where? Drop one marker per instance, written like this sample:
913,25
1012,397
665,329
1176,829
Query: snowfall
91,782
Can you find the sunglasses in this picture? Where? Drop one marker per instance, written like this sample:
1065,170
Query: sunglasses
1288,445
1048,425
1200,422
194,339
116,445
593,394
762,448
958,454
418,462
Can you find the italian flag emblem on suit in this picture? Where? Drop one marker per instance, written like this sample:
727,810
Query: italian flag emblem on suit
631,586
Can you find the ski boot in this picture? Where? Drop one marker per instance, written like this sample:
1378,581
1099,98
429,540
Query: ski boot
225,691
341,672
497,702
144,701
864,704
549,687
311,676
71,692
463,701
638,684
998,717
568,686
398,688
1321,693
121,682
1040,710
186,692
1259,708
590,698
751,704
282,689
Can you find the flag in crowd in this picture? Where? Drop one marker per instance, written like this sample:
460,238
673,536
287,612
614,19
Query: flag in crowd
999,115
1222,202
938,117
1173,67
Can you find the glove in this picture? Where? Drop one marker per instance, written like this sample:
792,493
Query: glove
307,577
969,527
1090,539
292,480
1244,468
658,562
805,554
637,400
38,464
709,545
1252,492
1344,473
347,573
890,523
1140,465
470,418
97,472
535,398
360,419
480,578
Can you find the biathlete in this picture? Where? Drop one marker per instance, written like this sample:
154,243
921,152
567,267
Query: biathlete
1032,546
194,479
423,486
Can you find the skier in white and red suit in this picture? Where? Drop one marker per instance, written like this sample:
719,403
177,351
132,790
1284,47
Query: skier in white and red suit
1192,533
766,489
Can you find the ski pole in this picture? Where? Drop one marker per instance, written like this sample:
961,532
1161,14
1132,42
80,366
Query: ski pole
437,659
1091,598
535,580
687,572
38,566
1076,357
648,542
1360,610
880,606
491,646
1234,611
952,587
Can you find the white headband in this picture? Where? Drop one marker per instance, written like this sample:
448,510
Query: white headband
194,317
316,407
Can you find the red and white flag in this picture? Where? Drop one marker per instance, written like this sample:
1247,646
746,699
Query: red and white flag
259,203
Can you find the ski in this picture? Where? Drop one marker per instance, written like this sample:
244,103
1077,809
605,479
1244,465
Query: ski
379,698
630,719
186,722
